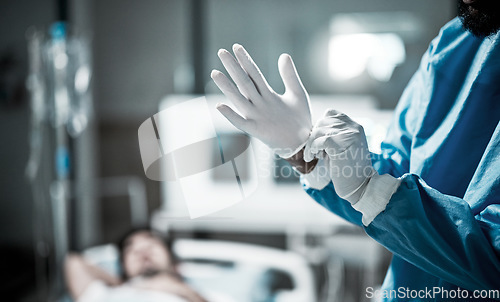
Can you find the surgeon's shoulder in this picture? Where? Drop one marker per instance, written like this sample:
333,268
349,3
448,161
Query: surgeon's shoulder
453,27
451,36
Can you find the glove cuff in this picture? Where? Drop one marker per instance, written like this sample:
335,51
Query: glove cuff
287,153
376,196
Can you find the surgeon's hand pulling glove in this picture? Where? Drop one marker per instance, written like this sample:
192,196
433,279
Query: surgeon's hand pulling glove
283,122
342,144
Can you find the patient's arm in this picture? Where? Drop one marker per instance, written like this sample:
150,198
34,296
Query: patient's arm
80,274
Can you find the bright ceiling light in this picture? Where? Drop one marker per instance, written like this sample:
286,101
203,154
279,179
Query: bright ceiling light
376,53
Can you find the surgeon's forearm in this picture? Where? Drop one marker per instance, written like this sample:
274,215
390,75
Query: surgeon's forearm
302,166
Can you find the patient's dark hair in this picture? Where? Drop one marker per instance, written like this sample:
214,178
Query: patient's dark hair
122,244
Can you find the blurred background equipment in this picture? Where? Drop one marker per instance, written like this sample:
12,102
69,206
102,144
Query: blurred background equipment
73,94
60,103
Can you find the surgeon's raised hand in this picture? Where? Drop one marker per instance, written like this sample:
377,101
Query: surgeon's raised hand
281,121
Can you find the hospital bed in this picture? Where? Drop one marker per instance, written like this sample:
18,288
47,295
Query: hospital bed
239,272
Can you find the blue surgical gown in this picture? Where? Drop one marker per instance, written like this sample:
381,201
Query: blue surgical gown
443,222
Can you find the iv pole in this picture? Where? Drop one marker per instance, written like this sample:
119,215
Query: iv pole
58,81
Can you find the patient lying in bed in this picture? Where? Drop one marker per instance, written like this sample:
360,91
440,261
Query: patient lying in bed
149,274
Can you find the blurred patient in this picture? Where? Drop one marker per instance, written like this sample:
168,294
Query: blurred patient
149,274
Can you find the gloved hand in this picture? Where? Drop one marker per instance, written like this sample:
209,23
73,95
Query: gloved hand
283,122
344,142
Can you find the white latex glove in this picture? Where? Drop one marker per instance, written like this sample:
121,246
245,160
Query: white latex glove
283,122
344,142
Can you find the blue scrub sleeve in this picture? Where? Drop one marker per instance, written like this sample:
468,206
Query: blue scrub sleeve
439,234
328,198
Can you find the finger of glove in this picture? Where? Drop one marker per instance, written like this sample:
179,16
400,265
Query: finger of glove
331,122
234,118
289,75
231,91
313,148
239,76
332,144
252,69
307,156
327,131
332,113
316,133
336,144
